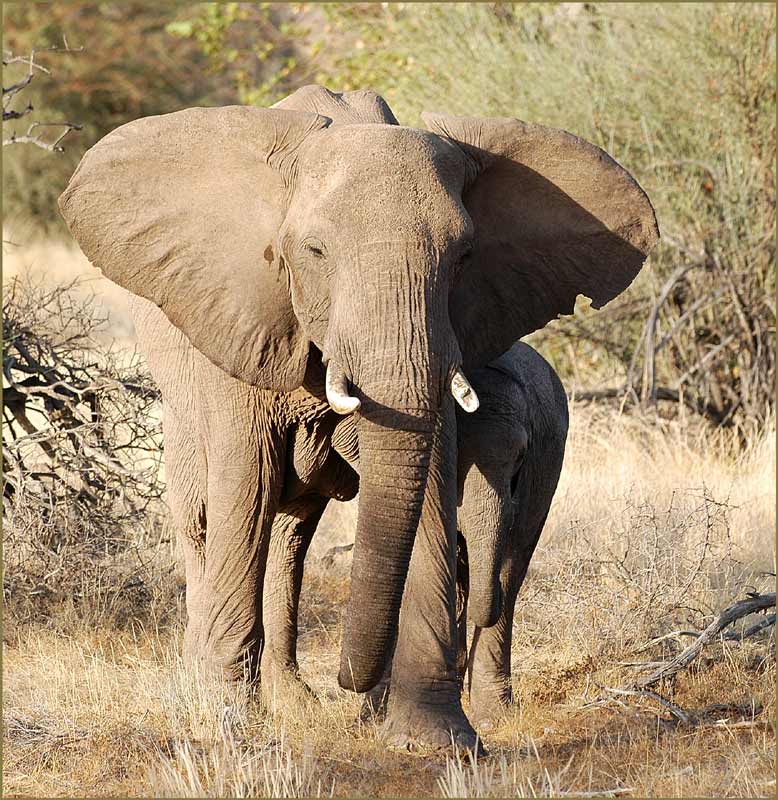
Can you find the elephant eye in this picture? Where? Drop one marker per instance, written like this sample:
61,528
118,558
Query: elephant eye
315,249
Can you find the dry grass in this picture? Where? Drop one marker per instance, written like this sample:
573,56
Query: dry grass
654,529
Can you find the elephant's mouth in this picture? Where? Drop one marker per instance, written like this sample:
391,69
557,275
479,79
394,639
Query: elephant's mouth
342,402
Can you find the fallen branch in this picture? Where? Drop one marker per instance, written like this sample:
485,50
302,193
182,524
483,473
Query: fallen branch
756,602
681,715
718,714
753,603
751,630
672,635
730,636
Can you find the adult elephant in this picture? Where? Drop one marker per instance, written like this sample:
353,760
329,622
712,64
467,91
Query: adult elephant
401,257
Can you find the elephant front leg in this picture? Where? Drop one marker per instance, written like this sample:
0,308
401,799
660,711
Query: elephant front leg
425,702
224,630
290,538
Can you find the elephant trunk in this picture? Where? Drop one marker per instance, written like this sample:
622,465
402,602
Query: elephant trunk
484,520
398,364
394,455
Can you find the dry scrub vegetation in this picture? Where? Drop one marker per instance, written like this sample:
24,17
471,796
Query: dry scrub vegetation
656,527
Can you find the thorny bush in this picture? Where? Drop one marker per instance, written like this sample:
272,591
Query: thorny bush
81,445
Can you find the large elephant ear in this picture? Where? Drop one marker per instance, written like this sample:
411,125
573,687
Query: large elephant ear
183,209
554,217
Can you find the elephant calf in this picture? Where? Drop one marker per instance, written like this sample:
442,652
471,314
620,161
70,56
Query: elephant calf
509,459
510,456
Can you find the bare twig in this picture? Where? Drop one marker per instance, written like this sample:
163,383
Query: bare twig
659,639
757,602
649,380
74,408
9,94
681,715
53,147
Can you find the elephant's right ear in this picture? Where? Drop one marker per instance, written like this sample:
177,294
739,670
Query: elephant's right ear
183,209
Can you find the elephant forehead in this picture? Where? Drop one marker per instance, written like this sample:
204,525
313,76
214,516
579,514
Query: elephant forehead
345,153
383,180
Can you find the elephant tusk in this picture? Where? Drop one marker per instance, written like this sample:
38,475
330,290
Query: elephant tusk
463,392
336,387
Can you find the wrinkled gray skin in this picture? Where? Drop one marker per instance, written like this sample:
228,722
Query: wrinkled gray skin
273,238
509,457
239,460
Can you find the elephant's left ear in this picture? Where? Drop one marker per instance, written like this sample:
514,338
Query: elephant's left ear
554,217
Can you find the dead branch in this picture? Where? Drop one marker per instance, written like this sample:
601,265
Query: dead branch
617,792
649,379
698,305
658,639
717,714
661,393
52,147
681,715
10,92
756,602
752,630
76,421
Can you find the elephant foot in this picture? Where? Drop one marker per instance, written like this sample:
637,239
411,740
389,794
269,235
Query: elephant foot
490,707
413,724
216,659
283,689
